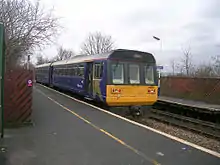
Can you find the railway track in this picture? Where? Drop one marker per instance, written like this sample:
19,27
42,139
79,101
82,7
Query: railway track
199,126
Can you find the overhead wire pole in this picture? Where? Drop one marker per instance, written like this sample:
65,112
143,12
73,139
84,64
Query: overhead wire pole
2,71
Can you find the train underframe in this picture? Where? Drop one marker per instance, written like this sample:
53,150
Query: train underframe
134,111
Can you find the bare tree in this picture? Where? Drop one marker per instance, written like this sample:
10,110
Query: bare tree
63,54
97,43
204,70
42,60
27,26
216,65
173,66
187,61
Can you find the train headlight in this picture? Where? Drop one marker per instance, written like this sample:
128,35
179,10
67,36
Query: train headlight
116,90
151,91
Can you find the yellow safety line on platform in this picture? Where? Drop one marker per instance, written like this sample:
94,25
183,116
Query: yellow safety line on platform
154,162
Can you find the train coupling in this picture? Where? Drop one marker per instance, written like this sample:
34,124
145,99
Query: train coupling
135,111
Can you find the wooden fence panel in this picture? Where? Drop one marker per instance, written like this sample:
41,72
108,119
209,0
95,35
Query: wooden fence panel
18,96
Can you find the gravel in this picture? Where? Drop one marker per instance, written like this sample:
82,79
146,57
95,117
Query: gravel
189,136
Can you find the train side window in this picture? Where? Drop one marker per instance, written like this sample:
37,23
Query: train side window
77,71
98,69
54,71
96,66
60,72
81,71
74,71
69,71
65,71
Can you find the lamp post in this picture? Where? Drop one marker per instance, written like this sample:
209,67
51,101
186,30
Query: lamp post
158,39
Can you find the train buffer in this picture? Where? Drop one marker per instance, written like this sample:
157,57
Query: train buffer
66,131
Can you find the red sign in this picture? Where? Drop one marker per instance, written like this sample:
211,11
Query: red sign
29,83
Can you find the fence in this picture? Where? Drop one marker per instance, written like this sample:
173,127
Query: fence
18,96
201,89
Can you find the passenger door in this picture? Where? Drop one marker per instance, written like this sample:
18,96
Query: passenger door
97,76
89,78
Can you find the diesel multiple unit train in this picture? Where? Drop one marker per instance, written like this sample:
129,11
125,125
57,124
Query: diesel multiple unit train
119,78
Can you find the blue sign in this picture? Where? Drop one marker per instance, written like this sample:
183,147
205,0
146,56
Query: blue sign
160,67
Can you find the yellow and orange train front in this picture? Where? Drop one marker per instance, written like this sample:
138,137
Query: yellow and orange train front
131,95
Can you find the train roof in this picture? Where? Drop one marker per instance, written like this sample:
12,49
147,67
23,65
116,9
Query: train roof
83,58
119,54
43,65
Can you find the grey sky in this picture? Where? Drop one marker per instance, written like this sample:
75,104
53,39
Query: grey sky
133,23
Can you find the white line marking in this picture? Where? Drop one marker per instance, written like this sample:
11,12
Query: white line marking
143,126
160,153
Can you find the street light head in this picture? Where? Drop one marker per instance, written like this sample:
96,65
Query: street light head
156,38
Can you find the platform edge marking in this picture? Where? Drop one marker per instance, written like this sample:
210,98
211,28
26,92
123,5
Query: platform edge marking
214,153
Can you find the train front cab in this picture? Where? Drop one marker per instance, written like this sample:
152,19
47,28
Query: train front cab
132,84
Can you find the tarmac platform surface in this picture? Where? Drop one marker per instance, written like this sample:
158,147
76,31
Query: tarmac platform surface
68,132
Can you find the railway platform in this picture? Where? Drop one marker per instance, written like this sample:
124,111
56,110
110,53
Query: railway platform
190,103
68,131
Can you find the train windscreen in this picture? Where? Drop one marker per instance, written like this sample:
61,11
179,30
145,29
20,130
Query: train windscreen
134,74
149,74
117,73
